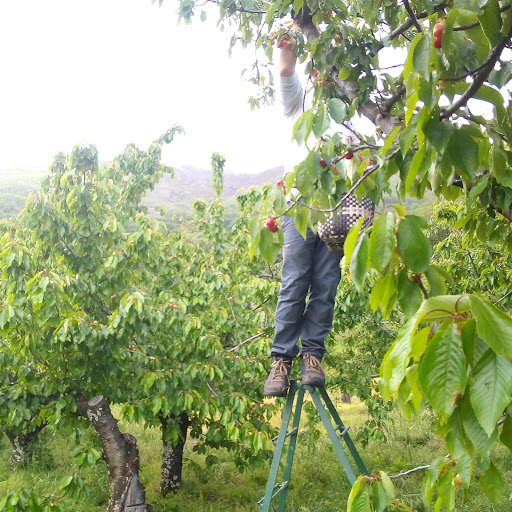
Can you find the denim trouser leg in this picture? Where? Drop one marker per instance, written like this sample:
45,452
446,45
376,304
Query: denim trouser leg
307,266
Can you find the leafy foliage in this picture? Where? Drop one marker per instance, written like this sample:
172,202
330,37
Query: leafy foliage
452,350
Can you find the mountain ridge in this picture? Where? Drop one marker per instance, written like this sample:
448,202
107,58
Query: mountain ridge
175,195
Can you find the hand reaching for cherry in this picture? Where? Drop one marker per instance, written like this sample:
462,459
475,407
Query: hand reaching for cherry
287,42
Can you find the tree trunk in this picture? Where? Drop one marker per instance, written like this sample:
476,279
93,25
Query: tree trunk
172,456
22,446
345,398
121,454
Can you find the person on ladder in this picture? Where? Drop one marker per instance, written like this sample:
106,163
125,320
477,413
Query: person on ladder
308,267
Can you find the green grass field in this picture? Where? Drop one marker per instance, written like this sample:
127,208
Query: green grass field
318,481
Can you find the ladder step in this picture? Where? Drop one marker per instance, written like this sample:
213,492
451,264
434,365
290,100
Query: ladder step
278,488
344,431
288,434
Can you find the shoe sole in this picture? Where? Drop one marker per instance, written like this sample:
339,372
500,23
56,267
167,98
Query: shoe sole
316,383
284,393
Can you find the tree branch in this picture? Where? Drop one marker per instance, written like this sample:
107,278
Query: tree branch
246,341
412,16
351,89
479,79
406,473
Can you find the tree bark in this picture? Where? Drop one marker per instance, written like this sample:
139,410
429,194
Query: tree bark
22,446
127,494
377,115
172,456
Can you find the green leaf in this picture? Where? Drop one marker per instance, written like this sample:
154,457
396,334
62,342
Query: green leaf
383,294
409,294
321,121
302,127
442,372
301,221
493,96
388,486
413,246
268,246
359,261
490,388
437,285
379,496
490,21
393,365
350,241
446,489
437,132
492,325
382,241
476,434
468,338
463,151
65,482
506,432
359,497
408,66
492,483
421,56
337,110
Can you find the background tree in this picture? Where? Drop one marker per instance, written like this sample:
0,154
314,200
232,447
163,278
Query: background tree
109,308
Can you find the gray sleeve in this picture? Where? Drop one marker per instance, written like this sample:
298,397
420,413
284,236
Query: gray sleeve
292,95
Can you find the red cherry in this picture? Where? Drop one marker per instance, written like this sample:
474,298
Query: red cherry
315,73
270,223
280,183
323,163
438,29
349,155
284,190
438,42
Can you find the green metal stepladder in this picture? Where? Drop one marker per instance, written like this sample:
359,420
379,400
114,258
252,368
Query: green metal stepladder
337,433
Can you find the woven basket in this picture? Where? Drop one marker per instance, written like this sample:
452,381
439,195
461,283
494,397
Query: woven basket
334,231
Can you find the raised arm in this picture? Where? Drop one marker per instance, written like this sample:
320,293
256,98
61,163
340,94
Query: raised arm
291,89
287,59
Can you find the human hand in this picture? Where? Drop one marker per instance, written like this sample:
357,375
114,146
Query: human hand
288,42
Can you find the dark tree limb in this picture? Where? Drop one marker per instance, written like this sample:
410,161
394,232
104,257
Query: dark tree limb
172,455
412,16
127,494
479,79
22,446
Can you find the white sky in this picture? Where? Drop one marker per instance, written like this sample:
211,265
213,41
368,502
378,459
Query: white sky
111,72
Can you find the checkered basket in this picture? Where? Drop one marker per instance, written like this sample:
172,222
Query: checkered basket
335,229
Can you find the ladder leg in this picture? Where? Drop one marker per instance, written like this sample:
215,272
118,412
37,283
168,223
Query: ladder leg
335,440
291,449
285,421
348,441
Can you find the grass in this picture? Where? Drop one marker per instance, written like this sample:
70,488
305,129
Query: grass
318,481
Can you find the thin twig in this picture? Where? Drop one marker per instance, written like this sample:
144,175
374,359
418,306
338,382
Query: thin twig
407,6
214,393
246,341
473,264
406,473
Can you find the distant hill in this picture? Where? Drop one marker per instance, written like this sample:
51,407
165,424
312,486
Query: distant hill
175,195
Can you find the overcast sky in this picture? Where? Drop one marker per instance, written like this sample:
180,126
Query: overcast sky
111,72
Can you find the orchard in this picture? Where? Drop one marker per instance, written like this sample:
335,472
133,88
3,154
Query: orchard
433,79
102,307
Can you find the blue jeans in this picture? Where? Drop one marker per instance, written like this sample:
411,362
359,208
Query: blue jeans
308,266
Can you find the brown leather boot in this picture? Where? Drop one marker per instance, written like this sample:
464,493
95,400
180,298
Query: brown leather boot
311,371
278,381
